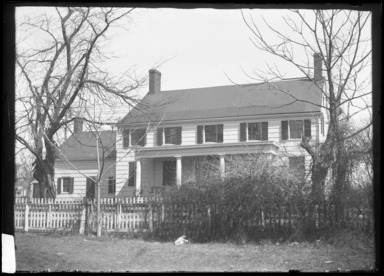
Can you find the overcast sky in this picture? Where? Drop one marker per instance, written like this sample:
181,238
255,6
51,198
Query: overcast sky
194,47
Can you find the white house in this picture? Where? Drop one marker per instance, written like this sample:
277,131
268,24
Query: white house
163,141
77,166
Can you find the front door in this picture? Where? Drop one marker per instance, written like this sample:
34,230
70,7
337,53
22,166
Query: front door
169,173
91,183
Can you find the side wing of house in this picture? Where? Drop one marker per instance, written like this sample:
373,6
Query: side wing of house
76,179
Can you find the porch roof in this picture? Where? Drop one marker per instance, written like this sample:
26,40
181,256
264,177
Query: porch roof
267,147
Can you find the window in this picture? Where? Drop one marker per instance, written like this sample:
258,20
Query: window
210,133
253,131
111,185
169,173
132,174
295,129
170,135
90,188
297,165
322,125
65,185
138,137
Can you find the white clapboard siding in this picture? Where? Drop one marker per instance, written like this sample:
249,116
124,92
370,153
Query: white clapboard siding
231,132
274,130
188,134
151,141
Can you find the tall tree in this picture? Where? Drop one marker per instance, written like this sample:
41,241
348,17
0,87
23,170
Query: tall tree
338,39
59,74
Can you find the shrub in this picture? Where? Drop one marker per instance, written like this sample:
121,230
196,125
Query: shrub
232,209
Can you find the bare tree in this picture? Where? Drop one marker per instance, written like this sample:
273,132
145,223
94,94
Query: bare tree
57,79
338,39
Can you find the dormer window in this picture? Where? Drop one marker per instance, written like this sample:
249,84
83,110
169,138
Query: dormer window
257,131
295,129
134,137
169,136
210,133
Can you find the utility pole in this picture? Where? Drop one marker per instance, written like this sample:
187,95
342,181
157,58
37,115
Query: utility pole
98,187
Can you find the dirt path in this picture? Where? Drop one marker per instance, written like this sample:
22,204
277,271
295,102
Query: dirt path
38,252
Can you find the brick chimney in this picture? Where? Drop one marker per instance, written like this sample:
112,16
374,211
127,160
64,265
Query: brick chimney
78,126
154,81
318,67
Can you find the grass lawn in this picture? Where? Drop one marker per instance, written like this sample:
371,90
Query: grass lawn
55,252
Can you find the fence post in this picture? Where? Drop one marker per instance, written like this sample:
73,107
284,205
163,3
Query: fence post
26,214
209,218
118,216
150,218
82,220
49,216
162,212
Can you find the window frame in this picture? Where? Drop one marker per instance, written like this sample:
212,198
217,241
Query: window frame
141,142
217,134
289,129
60,182
247,130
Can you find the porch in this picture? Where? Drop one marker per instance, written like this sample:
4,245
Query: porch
164,167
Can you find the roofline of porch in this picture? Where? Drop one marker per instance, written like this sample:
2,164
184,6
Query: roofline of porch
267,147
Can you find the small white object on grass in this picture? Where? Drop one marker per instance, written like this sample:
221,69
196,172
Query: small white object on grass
181,240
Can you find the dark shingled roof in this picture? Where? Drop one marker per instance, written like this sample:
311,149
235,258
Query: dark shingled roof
82,146
227,101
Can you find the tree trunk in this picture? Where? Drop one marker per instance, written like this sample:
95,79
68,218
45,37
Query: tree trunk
44,171
340,184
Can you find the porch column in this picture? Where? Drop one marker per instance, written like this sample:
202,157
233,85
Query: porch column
138,177
222,165
178,171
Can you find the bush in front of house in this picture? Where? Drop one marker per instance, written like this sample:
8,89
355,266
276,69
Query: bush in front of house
252,202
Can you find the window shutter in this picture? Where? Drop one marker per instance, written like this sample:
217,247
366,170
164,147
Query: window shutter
264,131
220,134
199,134
307,128
284,130
126,138
59,185
159,136
243,134
71,180
110,185
178,136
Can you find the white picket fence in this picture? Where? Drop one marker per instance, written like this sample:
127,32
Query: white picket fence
117,214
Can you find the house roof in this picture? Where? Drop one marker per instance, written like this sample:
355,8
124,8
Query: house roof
82,146
299,96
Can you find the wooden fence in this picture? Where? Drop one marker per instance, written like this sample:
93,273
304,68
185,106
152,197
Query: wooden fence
145,213
117,214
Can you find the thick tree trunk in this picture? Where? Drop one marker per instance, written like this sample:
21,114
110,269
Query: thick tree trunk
44,172
340,182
